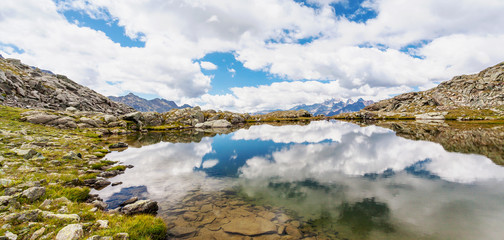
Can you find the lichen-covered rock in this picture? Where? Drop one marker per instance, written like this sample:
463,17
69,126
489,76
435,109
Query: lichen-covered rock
141,207
33,193
70,232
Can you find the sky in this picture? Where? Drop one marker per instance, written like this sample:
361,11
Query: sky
249,56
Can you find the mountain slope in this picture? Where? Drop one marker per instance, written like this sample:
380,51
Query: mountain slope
334,106
475,96
144,105
28,87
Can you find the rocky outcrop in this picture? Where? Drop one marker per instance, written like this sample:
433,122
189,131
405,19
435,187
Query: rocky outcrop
484,90
70,232
27,87
143,105
290,114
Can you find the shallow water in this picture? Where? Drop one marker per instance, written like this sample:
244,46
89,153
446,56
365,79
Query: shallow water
339,180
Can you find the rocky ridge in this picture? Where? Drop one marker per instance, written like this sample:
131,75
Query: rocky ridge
143,105
28,87
457,98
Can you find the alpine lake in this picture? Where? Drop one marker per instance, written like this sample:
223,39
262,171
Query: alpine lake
320,180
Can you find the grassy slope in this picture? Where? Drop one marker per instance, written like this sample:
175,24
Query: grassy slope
17,134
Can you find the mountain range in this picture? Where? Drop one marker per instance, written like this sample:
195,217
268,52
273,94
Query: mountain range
143,105
334,106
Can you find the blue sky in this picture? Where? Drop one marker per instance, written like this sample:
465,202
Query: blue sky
230,72
251,56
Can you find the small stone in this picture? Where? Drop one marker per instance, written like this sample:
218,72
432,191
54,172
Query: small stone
118,145
34,193
281,229
93,209
129,201
99,204
11,236
102,223
72,156
292,231
70,232
37,234
121,236
116,183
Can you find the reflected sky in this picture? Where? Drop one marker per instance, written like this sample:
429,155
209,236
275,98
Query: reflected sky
333,167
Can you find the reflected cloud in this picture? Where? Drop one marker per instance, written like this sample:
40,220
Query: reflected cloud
167,169
369,150
314,132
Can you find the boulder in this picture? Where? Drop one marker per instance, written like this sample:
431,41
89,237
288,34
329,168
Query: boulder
141,207
250,226
33,193
70,232
221,123
62,217
41,118
25,153
119,145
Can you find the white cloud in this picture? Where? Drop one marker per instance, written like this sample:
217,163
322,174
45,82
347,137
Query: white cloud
462,36
208,65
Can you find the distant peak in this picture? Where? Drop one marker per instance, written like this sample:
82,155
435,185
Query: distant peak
131,94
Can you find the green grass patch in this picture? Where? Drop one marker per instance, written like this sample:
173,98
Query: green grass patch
74,194
118,167
146,227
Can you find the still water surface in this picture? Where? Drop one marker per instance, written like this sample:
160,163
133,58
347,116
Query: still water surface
360,182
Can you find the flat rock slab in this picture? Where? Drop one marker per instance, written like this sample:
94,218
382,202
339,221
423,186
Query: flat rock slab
250,226
180,231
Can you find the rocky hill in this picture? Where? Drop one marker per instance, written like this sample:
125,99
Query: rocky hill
29,87
475,96
143,105
333,107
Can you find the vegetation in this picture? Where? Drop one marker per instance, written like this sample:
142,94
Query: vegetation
62,178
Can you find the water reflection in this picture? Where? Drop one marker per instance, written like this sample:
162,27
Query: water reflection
342,179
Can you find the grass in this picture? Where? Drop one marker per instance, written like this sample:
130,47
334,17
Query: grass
16,133
146,227
74,194
118,167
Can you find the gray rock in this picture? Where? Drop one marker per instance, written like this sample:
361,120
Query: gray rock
11,236
63,217
34,193
121,236
37,234
182,231
99,204
221,123
5,200
70,232
141,207
41,118
129,201
25,153
102,223
71,109
119,145
72,156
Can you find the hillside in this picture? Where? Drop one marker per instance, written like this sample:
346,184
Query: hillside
475,96
143,105
29,87
333,107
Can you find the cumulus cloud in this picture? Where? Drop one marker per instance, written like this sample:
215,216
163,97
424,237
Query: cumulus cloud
208,65
448,38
